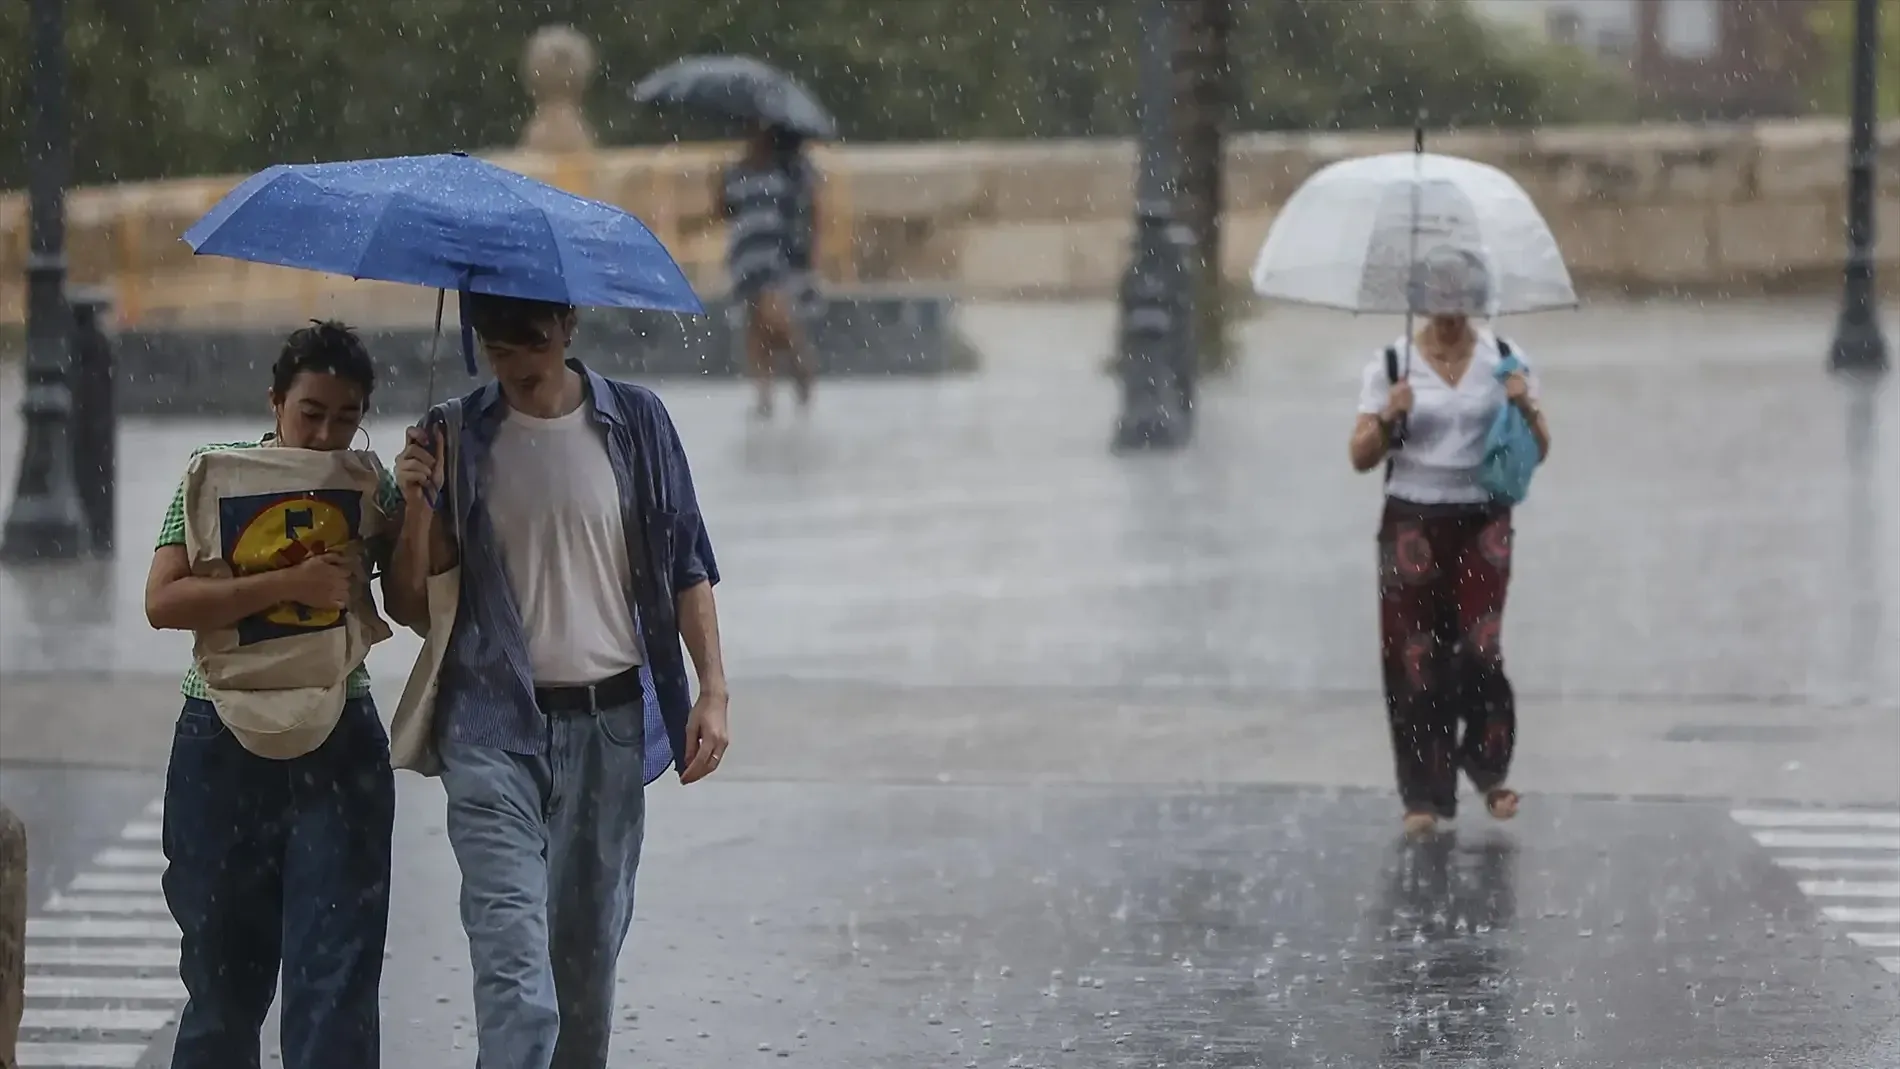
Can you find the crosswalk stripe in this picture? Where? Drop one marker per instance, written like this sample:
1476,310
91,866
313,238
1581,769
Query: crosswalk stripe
85,927
117,883
1876,940
146,905
142,831
1817,818
111,955
116,988
119,857
1828,840
107,1019
1840,864
81,1055
1850,889
1889,964
1862,914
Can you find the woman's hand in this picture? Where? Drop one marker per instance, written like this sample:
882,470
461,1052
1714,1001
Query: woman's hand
1398,403
1517,389
419,467
323,582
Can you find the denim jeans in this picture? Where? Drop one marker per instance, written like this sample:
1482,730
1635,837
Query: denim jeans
548,846
279,864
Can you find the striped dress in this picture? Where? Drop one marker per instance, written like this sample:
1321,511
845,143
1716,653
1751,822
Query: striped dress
769,213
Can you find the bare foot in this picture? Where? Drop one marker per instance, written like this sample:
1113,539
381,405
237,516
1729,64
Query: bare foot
1502,803
1420,825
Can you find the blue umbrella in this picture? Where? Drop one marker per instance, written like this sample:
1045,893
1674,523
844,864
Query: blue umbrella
449,222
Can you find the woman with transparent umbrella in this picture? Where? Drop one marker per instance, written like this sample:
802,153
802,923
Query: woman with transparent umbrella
1445,543
1453,241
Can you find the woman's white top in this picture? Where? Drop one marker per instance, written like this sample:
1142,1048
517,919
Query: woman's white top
1446,432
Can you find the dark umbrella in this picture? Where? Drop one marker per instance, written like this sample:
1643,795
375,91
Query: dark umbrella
737,87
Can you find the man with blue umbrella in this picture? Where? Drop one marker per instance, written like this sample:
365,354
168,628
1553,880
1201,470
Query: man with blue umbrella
553,555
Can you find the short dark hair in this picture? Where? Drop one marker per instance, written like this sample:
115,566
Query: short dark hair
514,320
327,347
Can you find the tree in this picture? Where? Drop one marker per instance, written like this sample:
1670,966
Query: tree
1203,110
1833,25
218,86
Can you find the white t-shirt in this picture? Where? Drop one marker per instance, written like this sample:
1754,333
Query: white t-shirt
552,498
1445,434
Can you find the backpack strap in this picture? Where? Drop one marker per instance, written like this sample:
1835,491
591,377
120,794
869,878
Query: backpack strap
1391,378
1504,348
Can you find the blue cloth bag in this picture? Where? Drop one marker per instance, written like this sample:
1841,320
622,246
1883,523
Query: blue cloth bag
1510,449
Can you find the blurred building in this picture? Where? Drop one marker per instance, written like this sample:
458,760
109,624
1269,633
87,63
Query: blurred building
1699,59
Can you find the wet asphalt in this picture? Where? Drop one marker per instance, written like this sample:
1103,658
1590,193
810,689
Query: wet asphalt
1719,523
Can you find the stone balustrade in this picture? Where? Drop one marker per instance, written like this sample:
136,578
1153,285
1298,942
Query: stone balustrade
1708,209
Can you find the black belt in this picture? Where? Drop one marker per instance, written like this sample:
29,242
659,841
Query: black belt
590,698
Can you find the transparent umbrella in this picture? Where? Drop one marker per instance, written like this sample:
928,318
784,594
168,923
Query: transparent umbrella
1355,235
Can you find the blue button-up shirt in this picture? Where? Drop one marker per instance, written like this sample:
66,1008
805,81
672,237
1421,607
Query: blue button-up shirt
486,695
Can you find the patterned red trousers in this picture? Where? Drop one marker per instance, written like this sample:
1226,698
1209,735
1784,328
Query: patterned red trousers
1443,573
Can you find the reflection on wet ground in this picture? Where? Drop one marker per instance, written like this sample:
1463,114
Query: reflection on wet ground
862,926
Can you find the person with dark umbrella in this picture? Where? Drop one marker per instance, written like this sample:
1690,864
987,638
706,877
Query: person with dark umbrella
768,197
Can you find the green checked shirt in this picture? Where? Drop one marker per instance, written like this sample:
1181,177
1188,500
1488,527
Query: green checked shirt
172,533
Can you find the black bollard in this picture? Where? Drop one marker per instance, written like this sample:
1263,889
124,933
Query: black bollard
1157,359
95,415
45,522
1859,347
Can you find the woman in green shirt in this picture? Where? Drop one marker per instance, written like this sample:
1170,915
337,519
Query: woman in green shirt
278,864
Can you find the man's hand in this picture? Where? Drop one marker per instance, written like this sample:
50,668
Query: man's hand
706,736
420,466
323,582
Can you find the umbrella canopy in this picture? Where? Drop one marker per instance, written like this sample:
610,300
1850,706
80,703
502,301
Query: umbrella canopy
449,222
1359,235
737,87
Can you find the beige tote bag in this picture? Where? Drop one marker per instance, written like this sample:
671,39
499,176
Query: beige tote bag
412,729
279,679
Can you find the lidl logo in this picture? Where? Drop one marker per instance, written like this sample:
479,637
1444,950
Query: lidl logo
265,532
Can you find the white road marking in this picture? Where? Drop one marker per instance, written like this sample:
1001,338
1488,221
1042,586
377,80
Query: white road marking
105,955
142,831
1848,861
1849,889
119,857
117,883
1862,914
81,1055
166,989
1840,864
1817,818
105,1019
85,927
1828,840
125,905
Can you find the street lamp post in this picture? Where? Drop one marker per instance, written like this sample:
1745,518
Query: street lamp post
1858,344
1157,352
46,521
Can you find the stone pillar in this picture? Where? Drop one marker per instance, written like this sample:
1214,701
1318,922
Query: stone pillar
12,934
556,68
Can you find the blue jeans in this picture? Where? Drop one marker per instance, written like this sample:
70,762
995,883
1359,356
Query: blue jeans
279,864
548,846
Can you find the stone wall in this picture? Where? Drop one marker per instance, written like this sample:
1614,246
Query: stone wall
1710,209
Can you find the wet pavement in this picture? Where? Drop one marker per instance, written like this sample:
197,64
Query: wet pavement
1008,705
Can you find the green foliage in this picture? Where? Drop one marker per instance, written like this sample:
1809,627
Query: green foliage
1833,24
197,86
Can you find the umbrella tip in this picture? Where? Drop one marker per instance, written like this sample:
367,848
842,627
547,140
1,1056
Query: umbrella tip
460,153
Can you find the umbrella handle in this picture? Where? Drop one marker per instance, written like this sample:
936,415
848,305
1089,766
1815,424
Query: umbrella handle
429,424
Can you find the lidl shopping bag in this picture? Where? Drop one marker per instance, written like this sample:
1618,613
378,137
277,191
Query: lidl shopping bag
279,679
